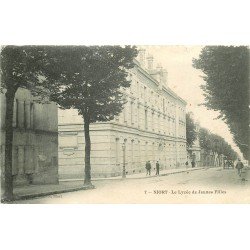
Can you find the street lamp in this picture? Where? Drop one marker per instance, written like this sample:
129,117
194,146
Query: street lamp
123,167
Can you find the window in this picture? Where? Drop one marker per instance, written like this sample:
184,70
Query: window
152,120
131,88
14,124
31,115
117,151
146,119
131,112
141,91
24,115
159,127
132,151
17,111
15,160
125,113
138,88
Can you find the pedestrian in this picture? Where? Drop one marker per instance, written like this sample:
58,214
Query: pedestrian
186,164
193,163
157,168
148,168
239,167
226,164
231,164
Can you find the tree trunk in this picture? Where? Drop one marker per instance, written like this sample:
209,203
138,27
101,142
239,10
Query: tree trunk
87,178
8,179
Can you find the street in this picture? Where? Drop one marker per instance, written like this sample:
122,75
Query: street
214,185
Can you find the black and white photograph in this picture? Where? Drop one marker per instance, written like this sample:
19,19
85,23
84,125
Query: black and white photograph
124,124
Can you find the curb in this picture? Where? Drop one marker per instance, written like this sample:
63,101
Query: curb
38,195
152,176
32,196
135,178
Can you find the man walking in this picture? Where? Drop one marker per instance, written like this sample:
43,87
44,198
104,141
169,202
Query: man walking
148,168
157,168
239,167
193,164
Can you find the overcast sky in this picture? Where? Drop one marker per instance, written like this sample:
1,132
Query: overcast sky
185,81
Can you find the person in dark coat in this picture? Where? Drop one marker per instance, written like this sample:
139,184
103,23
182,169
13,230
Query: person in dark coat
148,168
239,167
157,168
193,164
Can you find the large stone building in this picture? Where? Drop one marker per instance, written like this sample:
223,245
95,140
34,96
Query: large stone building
35,141
151,127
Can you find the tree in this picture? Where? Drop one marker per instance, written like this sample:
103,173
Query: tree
92,80
205,140
215,143
19,69
190,129
226,88
27,67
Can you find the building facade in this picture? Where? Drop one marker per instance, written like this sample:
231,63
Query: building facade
35,140
151,127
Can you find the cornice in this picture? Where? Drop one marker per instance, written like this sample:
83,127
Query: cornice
164,88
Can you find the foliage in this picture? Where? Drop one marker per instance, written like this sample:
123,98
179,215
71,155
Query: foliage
191,132
226,88
204,138
21,67
215,143
89,79
92,80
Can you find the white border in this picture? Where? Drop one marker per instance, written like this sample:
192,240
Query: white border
124,226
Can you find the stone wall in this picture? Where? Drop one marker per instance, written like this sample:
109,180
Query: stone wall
107,140
35,140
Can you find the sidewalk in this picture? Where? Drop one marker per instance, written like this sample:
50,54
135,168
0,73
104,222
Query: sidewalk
141,175
162,173
33,191
70,185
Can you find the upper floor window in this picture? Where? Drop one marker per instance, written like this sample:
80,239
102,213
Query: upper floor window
146,119
145,93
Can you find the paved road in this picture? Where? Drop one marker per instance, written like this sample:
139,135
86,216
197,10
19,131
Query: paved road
201,186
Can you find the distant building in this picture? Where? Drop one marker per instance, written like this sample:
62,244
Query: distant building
151,127
35,142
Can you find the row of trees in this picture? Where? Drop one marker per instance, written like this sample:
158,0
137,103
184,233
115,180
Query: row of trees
226,88
208,141
191,132
87,78
212,142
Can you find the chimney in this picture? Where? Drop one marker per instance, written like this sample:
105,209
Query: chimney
150,61
164,77
158,74
159,67
141,57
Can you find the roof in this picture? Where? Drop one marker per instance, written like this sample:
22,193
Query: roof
165,88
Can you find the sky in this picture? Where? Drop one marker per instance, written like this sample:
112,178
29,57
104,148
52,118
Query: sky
185,81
